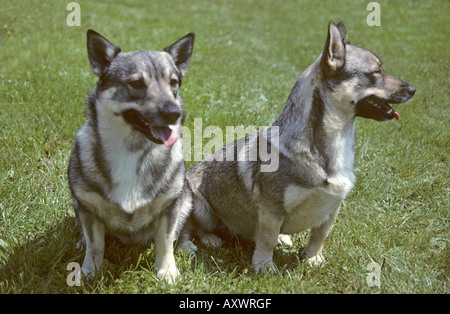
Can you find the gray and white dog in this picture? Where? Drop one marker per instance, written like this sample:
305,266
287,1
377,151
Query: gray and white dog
126,171
315,147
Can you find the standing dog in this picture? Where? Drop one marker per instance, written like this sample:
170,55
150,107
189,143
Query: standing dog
126,170
315,150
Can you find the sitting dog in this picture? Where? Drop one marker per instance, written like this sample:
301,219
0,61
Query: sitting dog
314,141
126,170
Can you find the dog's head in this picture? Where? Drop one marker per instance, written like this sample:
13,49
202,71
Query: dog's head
357,78
140,88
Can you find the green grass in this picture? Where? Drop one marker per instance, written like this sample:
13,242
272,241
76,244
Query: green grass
247,56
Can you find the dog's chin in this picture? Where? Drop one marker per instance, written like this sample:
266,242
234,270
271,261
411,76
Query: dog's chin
375,108
157,134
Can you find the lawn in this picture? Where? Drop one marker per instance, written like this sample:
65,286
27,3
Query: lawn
247,56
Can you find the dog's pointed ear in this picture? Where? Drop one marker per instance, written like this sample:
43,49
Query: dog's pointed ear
333,56
341,27
101,52
181,51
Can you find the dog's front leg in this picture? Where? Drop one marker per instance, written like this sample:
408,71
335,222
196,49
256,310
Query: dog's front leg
313,250
94,235
266,238
165,260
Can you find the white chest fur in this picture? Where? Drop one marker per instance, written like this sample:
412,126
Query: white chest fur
128,186
134,179
310,207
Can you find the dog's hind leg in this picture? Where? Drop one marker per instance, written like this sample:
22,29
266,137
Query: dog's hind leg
184,239
208,222
313,250
184,242
203,223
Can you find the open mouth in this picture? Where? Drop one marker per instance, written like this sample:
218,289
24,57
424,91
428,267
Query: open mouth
375,108
157,134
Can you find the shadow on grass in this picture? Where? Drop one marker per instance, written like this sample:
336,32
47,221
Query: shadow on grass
40,264
235,256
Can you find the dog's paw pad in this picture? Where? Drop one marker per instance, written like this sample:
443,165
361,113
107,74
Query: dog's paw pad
212,240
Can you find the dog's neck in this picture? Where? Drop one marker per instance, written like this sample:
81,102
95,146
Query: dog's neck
310,124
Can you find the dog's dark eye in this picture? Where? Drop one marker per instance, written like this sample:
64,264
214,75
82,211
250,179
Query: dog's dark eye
174,83
377,71
138,84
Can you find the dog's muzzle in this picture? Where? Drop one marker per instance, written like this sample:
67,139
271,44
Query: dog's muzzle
373,107
160,134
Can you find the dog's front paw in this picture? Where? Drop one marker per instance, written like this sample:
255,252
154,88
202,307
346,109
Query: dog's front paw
87,273
316,260
262,262
169,274
90,268
264,267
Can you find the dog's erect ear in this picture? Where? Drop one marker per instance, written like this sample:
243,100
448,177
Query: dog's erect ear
101,52
341,27
181,51
333,56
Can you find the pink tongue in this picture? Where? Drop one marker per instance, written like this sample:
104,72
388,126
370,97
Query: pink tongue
165,134
397,116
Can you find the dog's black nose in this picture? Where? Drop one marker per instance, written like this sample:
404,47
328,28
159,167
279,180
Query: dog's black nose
411,90
170,112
